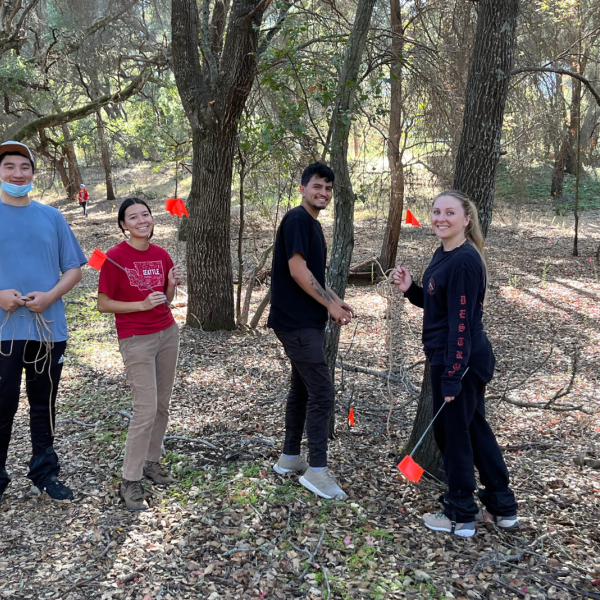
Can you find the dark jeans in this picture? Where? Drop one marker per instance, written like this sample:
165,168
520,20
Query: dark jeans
310,398
466,441
42,376
84,206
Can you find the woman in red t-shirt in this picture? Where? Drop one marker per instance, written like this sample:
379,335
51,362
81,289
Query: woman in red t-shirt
148,341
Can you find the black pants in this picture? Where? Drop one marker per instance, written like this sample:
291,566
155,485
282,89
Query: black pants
310,398
84,206
42,376
466,440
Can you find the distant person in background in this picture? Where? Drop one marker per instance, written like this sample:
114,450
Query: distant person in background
83,196
148,341
36,246
300,305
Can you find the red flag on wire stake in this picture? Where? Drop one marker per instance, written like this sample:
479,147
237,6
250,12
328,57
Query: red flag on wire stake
176,207
351,417
97,259
408,467
411,219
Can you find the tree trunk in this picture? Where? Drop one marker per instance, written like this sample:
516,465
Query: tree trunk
389,247
344,198
55,158
74,174
558,172
213,94
210,277
485,99
110,194
479,151
240,249
428,455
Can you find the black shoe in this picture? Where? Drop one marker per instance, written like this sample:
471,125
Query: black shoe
55,489
4,481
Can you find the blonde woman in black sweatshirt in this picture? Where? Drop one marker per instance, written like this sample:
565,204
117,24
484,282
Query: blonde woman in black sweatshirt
461,364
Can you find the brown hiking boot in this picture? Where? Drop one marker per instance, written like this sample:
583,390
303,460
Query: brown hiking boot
157,473
133,494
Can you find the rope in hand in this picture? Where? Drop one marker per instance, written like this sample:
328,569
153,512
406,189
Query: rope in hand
44,353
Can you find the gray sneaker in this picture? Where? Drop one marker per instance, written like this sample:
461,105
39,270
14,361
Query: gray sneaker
133,494
157,473
483,516
323,484
440,522
283,465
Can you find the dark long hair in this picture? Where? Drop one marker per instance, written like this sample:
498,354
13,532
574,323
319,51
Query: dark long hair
124,206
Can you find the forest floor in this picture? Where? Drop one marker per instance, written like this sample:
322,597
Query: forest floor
232,528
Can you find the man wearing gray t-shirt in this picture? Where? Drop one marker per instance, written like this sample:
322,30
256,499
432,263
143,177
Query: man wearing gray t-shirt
36,246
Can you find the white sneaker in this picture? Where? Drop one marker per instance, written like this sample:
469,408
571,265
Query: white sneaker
283,465
440,522
483,516
322,483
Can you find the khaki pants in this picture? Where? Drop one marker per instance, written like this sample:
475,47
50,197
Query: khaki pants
150,362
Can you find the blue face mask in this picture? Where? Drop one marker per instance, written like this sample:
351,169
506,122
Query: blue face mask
17,191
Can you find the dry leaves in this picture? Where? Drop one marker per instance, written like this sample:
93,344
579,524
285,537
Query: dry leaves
232,528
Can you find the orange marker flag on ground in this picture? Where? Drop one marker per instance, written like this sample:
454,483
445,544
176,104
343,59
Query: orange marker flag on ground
176,207
97,259
351,417
411,219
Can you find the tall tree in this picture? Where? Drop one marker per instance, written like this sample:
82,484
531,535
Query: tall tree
485,99
213,93
478,154
389,246
344,197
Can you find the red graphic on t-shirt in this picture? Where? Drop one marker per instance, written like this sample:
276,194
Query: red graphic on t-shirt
459,354
463,299
462,314
149,271
431,287
456,367
461,341
461,327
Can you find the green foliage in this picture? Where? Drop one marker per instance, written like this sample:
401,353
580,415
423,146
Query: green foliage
15,74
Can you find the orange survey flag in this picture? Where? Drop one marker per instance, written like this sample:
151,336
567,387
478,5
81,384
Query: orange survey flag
97,259
351,417
176,207
411,219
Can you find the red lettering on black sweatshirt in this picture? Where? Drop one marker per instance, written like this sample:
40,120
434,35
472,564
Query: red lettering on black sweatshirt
452,299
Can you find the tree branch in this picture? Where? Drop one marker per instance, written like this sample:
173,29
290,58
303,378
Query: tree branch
61,118
205,41
94,27
275,30
192,87
573,74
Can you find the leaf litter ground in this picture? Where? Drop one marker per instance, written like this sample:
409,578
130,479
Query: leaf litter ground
232,528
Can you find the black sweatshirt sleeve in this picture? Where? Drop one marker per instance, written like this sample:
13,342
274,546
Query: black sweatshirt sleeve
462,303
414,294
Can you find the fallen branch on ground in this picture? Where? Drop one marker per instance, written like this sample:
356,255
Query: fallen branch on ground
311,555
193,440
383,374
79,422
105,551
